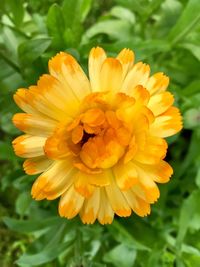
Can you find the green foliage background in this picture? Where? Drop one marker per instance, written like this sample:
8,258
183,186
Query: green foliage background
165,34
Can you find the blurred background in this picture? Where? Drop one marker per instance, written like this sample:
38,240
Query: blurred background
164,34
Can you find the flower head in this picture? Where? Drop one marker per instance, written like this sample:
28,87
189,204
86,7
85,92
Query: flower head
99,142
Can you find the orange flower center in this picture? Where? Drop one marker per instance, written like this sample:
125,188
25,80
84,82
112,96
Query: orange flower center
99,136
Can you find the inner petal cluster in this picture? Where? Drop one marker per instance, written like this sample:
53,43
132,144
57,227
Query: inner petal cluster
100,135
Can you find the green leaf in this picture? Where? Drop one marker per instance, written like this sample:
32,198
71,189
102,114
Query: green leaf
189,18
189,208
48,253
123,13
23,202
17,10
121,255
115,28
56,25
30,50
25,226
192,88
85,8
120,234
193,48
198,178
75,12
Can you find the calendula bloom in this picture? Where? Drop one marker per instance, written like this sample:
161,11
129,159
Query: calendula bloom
99,142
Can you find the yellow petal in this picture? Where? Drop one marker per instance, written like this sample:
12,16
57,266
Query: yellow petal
90,208
148,185
55,181
65,68
70,203
126,57
140,94
157,83
160,172
96,59
46,107
36,165
111,75
117,200
21,99
34,124
167,124
27,146
160,102
138,75
105,213
82,185
155,149
138,205
125,175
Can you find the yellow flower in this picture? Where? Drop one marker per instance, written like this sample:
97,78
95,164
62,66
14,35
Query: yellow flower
98,142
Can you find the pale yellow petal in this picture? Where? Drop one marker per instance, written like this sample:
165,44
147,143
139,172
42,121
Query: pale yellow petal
90,208
111,75
126,57
27,146
117,200
67,70
82,184
125,175
160,102
36,165
138,205
34,124
70,203
138,75
160,172
105,213
167,124
96,59
157,83
55,181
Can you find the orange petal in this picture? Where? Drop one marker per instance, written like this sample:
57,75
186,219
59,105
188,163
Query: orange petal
77,134
93,117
